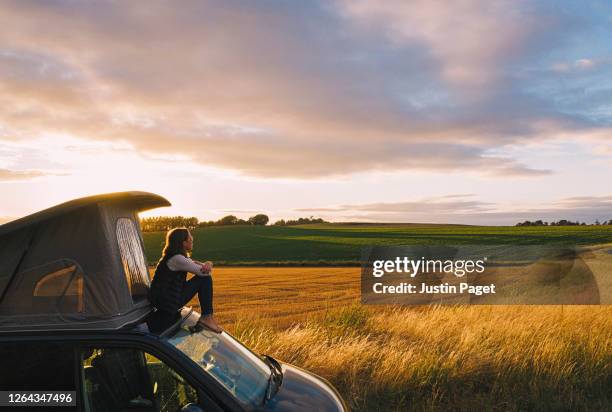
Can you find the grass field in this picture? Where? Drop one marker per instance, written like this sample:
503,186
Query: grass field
282,296
340,244
384,358
389,358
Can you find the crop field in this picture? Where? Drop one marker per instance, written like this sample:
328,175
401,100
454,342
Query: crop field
281,296
392,358
385,358
341,244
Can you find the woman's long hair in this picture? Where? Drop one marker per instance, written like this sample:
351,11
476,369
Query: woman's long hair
174,242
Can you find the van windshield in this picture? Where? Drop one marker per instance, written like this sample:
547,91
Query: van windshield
244,374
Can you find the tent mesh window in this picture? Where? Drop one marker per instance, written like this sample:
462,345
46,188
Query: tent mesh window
53,287
132,258
66,283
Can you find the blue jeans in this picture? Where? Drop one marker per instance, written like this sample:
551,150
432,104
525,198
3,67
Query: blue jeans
202,285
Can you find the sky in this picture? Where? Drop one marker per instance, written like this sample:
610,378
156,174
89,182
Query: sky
424,111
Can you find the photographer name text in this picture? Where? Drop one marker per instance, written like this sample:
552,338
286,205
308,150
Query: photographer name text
443,289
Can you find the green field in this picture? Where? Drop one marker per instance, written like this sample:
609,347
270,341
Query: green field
340,244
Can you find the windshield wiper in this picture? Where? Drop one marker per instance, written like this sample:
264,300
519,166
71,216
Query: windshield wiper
276,376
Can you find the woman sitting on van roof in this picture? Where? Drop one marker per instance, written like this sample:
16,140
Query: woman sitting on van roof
170,289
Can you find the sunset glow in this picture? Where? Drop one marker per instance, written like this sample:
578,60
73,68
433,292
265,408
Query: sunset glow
468,112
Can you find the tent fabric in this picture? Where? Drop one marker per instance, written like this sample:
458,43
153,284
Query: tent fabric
79,268
139,201
11,254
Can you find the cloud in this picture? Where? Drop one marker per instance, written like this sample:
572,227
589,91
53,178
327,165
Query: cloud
13,175
587,203
471,41
470,210
603,150
443,204
240,211
584,64
301,90
579,65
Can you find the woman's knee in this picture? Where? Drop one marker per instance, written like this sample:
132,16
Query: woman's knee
205,280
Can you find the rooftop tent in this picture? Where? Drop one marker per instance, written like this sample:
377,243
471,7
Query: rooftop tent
78,265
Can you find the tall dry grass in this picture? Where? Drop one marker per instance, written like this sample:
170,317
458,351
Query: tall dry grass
424,358
451,358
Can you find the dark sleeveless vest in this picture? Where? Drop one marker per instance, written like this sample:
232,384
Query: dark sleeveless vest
166,287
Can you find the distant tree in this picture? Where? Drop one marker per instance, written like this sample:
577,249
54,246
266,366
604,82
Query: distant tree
565,222
242,222
191,222
228,220
304,221
561,222
300,221
259,220
163,223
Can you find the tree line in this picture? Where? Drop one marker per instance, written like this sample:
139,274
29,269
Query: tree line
300,221
562,222
163,223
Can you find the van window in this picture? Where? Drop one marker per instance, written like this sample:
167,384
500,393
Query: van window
117,379
132,258
37,366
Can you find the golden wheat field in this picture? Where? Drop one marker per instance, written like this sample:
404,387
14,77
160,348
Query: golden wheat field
384,358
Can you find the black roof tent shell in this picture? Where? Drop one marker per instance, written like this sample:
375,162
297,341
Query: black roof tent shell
79,265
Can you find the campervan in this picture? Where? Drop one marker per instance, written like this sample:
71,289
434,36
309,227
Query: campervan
75,325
